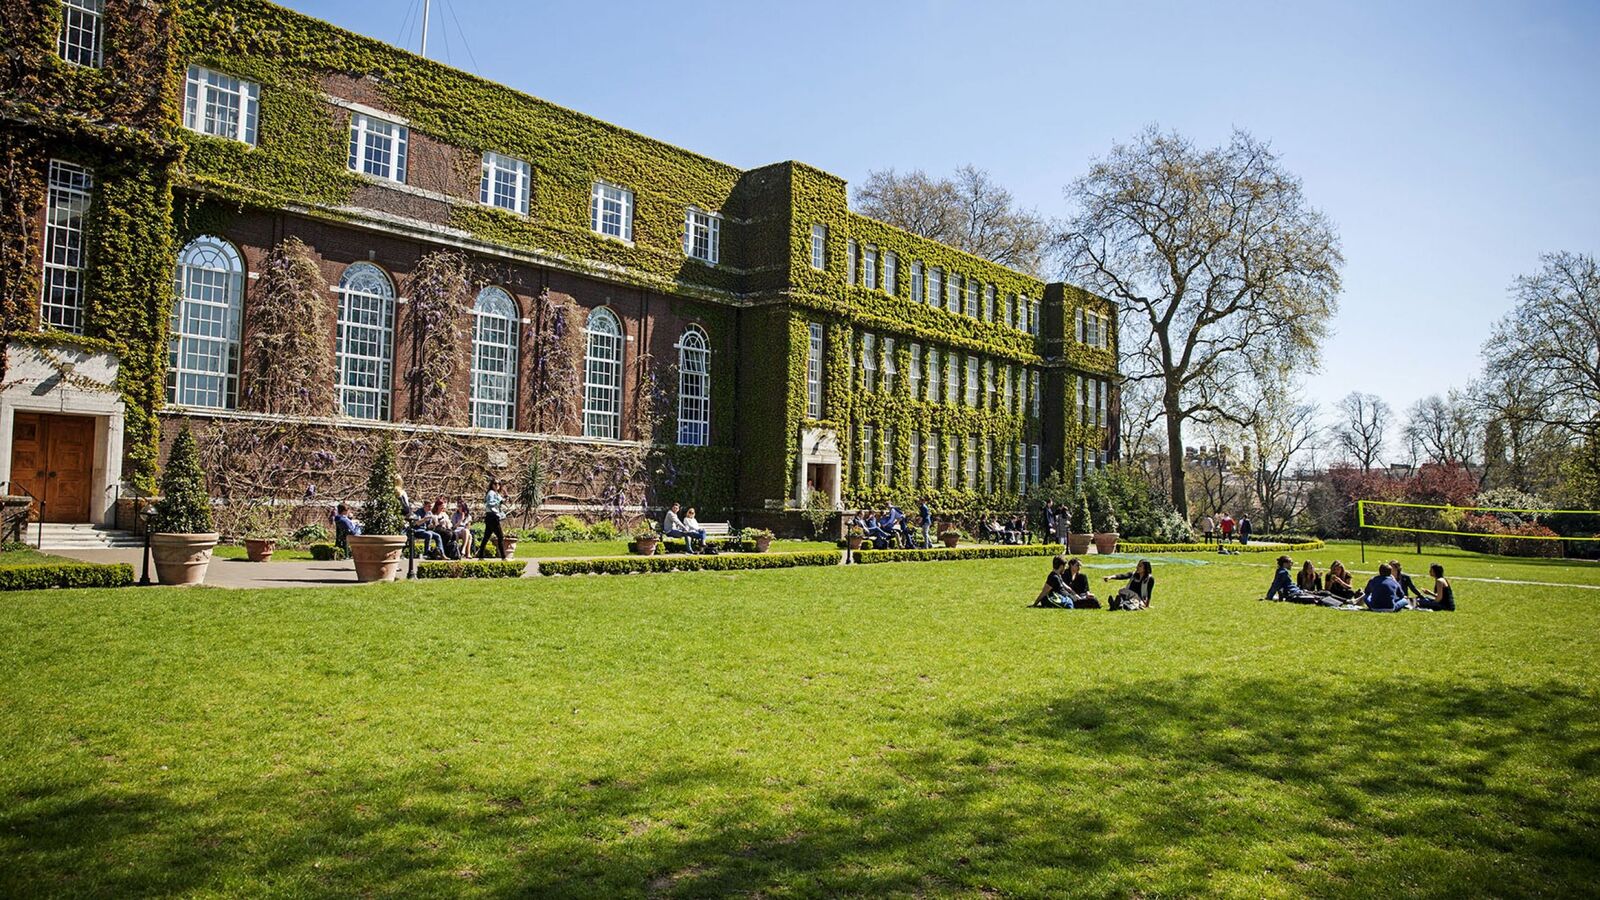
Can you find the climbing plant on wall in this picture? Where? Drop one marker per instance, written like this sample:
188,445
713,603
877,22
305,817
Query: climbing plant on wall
439,290
290,363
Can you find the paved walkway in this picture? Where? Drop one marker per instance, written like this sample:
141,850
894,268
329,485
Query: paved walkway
241,573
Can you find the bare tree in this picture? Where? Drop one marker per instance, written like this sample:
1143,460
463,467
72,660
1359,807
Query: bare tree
1218,468
1283,437
1443,429
1363,421
1218,264
969,211
1550,343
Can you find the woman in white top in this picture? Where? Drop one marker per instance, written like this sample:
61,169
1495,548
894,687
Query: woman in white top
491,521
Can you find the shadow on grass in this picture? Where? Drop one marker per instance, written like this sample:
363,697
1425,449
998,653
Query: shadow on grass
1177,787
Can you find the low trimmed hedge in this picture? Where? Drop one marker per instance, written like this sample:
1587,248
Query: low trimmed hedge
472,568
629,565
938,554
65,575
1131,547
325,552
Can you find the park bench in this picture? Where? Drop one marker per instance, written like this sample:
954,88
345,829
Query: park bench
715,531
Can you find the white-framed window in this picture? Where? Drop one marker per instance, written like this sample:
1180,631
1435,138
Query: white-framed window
869,268
203,334
952,374
888,455
378,148
694,388
365,341
971,461
869,362
917,296
972,298
914,464
1033,393
611,211
935,378
814,371
988,466
1102,392
68,191
988,384
890,368
869,445
952,293
930,458
495,323
972,381
702,235
819,246
1005,386
1033,463
935,287
505,183
891,271
850,261
988,303
1033,316
79,39
221,105
602,376
916,371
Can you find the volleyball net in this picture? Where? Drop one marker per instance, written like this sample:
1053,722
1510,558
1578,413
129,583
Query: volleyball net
1470,523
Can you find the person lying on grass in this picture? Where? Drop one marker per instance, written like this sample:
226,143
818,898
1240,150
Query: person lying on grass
1067,582
1141,584
1443,597
1383,592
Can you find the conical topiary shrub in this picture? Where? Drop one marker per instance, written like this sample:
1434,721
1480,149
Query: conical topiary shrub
1085,521
384,514
185,505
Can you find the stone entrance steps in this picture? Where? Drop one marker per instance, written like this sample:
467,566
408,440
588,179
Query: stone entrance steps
63,536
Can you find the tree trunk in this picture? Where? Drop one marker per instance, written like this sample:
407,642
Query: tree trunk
1180,496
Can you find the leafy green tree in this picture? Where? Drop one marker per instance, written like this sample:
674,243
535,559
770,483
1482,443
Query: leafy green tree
384,514
185,505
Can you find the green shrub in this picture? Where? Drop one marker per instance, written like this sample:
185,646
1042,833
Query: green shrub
628,565
312,533
604,531
325,552
472,568
65,575
384,515
940,554
570,528
185,506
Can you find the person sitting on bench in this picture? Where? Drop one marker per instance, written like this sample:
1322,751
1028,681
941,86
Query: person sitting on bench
1337,582
1443,597
1055,594
438,522
897,525
1017,531
1141,585
343,527
674,527
1383,592
876,532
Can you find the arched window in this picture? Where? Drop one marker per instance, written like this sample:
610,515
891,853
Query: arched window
203,336
494,360
694,389
602,376
366,341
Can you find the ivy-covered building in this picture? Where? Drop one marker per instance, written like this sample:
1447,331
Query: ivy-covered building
291,237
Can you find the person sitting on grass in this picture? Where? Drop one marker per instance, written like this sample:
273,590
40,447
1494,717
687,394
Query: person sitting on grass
1383,592
1141,584
1443,597
1337,583
1283,586
1078,586
1408,588
1308,578
673,527
1054,594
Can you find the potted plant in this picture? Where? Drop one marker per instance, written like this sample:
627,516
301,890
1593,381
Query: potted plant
854,537
1082,534
951,536
645,540
1106,541
758,539
263,526
376,550
182,540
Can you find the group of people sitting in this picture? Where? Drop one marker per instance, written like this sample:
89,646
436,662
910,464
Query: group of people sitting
1012,531
445,532
1391,590
685,528
888,527
1066,587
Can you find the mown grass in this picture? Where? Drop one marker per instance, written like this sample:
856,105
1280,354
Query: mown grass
26,556
891,729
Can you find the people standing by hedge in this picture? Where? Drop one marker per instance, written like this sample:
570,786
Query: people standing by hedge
492,503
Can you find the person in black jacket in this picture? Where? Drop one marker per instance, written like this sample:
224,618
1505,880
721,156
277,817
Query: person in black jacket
1078,586
1408,588
1443,597
1054,594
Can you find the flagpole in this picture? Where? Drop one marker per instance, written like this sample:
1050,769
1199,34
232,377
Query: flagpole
426,4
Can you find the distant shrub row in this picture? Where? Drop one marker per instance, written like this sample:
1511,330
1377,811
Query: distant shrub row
938,554
629,565
472,568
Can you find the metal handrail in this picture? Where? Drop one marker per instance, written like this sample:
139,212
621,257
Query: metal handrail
38,541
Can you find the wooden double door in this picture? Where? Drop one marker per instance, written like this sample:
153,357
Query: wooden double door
52,456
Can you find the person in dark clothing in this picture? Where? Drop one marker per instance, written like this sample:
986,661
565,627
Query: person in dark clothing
1078,586
1141,585
1408,588
1284,587
1244,529
1443,597
1338,583
1054,594
925,519
1383,592
1308,578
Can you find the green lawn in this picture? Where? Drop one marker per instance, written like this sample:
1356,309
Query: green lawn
905,729
23,556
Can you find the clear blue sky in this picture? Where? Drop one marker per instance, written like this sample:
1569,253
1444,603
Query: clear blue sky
1450,142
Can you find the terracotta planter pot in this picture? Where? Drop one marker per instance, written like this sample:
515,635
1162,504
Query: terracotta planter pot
1078,544
950,540
645,548
762,544
377,556
1106,541
511,546
182,558
854,543
259,549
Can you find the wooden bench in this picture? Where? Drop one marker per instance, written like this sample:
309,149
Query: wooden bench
715,531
